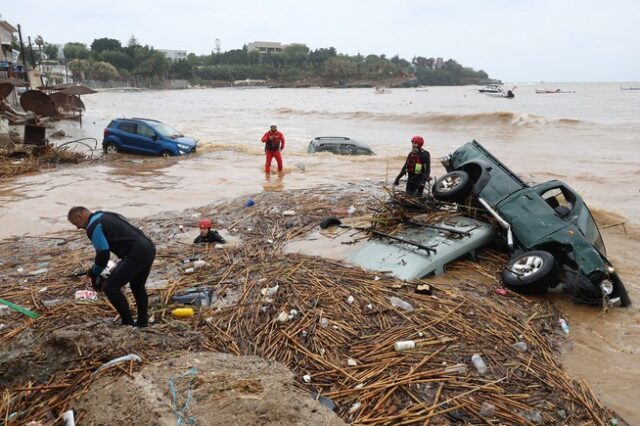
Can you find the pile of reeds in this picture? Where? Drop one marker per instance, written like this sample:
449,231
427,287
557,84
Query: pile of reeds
26,159
333,325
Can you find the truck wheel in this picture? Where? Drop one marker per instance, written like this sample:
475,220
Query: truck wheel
453,186
531,272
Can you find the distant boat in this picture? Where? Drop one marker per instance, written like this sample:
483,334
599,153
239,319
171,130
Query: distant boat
508,94
492,88
551,91
382,91
629,88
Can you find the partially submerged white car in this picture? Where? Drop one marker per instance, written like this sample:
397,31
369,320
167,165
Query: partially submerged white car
424,250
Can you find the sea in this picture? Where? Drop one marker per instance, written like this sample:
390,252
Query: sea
588,136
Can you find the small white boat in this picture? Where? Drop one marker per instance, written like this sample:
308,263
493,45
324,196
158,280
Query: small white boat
382,91
492,88
552,91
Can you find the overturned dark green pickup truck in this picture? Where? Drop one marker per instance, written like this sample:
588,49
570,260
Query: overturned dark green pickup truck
549,228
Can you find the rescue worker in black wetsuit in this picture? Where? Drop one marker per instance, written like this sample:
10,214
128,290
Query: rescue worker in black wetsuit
110,232
207,235
417,167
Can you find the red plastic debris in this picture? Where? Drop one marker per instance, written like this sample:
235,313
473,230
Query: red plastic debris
501,291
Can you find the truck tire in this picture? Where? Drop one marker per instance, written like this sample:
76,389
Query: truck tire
531,272
453,186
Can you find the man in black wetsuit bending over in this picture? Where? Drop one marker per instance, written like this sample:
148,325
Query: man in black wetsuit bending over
110,232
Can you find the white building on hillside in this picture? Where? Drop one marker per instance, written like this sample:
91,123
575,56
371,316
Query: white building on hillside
174,55
269,46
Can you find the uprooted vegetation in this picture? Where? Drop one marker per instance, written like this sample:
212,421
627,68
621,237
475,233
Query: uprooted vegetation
333,325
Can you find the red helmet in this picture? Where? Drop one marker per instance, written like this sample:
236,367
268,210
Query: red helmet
205,224
419,140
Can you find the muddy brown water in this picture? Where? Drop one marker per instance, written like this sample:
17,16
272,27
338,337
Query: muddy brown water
589,139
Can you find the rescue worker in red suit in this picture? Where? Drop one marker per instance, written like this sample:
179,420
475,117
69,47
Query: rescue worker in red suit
417,167
274,144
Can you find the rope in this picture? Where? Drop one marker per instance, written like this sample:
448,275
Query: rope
181,413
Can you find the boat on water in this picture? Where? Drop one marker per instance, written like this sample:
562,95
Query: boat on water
629,88
508,94
552,91
382,91
492,88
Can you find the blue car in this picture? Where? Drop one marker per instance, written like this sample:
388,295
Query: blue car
145,136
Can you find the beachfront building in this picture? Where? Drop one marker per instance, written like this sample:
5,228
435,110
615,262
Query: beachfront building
6,39
269,46
174,55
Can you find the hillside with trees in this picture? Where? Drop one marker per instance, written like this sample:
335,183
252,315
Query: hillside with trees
107,59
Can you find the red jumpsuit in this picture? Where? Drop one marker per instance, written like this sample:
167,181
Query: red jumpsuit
274,143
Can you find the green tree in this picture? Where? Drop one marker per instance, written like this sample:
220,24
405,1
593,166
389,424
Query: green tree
340,67
118,58
103,71
51,50
76,51
296,55
181,69
78,68
101,44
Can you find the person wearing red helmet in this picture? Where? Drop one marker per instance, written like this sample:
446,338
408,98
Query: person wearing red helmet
273,141
417,167
207,235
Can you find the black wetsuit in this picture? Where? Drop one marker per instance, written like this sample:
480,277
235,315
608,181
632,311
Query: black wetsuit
416,181
110,232
211,237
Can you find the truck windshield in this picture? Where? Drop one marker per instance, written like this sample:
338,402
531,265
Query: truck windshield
166,131
589,229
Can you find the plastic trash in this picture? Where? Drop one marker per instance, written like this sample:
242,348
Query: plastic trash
350,300
478,363
399,303
351,210
270,291
306,378
119,360
38,271
69,418
292,314
520,346
181,228
4,310
283,316
288,213
199,264
324,322
250,203
196,298
182,312
352,362
52,302
487,409
563,325
189,270
355,407
86,295
533,416
18,308
404,345
457,369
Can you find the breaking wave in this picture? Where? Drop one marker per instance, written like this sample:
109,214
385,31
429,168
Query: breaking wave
502,118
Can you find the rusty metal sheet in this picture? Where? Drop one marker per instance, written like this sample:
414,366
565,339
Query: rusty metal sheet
38,102
5,90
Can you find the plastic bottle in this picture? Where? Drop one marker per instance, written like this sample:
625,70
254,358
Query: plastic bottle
399,303
478,363
458,369
563,325
403,345
520,346
182,312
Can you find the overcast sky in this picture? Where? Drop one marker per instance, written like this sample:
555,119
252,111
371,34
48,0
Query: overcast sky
513,40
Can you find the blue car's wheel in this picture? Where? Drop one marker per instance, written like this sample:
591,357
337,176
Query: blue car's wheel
111,148
166,154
